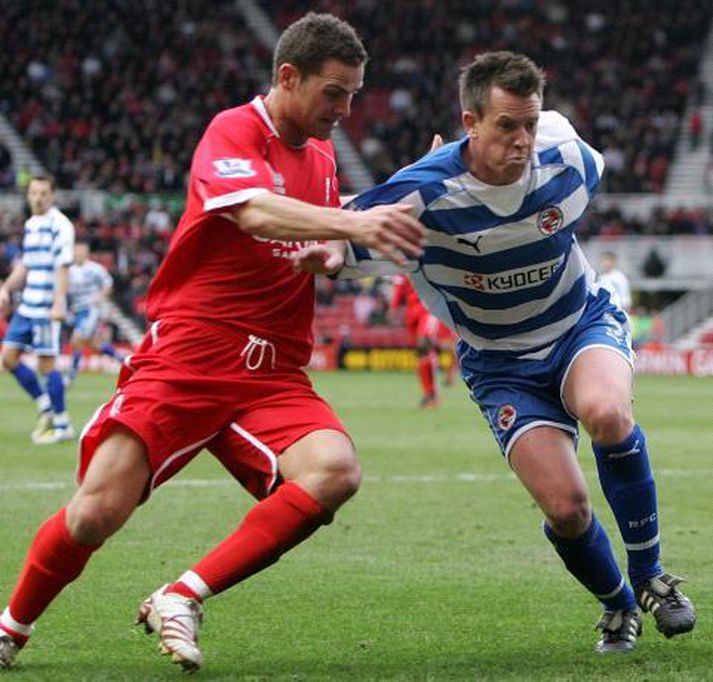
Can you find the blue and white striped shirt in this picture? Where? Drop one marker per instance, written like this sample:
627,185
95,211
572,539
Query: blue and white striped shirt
502,267
86,282
48,244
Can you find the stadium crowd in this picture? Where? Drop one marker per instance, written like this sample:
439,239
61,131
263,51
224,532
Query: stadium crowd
606,64
116,95
105,104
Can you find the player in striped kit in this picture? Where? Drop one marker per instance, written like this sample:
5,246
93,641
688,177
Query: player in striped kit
42,274
542,347
89,287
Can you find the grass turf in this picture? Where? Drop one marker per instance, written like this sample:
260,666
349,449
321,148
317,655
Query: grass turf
437,570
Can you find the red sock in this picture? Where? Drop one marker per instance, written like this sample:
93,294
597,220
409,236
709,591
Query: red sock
53,561
426,375
272,527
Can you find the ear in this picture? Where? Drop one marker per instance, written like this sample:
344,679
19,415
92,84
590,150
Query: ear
471,123
288,77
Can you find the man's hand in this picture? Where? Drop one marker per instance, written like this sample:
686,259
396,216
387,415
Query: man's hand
319,259
391,230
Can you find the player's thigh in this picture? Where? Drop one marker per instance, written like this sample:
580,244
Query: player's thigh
597,377
545,461
18,338
295,436
515,404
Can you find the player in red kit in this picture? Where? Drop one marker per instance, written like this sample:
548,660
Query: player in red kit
221,365
427,333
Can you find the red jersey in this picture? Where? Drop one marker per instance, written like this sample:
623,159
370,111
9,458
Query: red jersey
404,293
216,272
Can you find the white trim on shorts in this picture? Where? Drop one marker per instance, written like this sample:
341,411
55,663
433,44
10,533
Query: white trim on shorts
629,359
174,456
257,443
531,425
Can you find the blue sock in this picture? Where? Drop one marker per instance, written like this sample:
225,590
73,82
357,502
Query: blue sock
55,388
627,482
590,559
109,350
76,359
28,380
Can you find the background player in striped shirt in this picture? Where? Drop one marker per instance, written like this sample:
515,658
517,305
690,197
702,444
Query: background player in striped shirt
42,275
90,285
231,332
542,346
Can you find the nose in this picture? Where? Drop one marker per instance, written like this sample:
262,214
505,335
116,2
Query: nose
521,140
344,107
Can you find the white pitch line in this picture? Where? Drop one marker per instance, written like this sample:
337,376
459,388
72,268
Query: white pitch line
395,478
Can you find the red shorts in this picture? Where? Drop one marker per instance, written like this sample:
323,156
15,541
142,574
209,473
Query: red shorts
427,326
192,385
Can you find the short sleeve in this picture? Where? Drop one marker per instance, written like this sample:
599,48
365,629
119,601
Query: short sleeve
63,243
229,166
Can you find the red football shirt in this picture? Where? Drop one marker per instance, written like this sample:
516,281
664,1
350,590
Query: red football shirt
405,293
216,272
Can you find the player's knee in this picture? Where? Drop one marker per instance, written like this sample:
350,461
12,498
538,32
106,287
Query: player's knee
607,421
570,517
92,519
8,360
342,475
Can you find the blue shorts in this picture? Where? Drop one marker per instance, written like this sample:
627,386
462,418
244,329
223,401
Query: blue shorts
86,322
516,395
29,334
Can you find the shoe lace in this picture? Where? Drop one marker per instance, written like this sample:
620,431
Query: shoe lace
674,597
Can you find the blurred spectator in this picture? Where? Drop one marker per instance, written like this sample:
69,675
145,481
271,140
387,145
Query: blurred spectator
611,277
653,266
695,128
379,315
363,306
640,321
7,175
115,95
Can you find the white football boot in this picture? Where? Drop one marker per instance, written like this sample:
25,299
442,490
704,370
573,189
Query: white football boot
8,650
176,620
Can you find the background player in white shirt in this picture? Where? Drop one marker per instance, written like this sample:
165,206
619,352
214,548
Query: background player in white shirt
614,279
90,285
43,275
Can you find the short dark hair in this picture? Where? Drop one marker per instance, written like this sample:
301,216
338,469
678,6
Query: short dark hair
314,39
44,178
514,73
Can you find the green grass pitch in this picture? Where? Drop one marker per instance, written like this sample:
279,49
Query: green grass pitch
437,570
